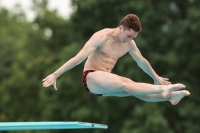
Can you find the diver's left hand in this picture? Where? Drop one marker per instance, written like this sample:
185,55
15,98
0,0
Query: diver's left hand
162,81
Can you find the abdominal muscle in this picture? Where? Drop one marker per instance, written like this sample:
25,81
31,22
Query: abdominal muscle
99,61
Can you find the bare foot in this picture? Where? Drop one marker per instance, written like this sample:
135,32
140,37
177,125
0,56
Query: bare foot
176,96
168,89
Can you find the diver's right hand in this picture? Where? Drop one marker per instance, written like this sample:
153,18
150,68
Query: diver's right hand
50,80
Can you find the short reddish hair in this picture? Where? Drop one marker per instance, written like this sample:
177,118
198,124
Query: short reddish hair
131,21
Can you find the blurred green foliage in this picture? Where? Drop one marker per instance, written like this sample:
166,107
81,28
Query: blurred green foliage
29,51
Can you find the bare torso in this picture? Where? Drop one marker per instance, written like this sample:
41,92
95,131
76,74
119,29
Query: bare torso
105,57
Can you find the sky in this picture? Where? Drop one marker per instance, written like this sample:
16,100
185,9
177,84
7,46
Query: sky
63,7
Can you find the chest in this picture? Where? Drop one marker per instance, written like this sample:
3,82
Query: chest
114,49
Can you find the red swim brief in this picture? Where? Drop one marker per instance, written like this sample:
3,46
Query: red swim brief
85,73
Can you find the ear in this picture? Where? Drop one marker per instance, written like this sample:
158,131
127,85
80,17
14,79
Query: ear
121,28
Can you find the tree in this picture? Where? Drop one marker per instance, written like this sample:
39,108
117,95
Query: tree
169,39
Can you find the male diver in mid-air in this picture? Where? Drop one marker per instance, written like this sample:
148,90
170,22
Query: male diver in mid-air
102,51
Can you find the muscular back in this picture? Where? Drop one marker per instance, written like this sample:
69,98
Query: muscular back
106,55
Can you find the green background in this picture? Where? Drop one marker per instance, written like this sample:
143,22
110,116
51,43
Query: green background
29,51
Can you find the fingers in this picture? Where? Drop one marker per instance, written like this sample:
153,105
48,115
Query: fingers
165,78
45,78
55,87
166,82
49,76
47,81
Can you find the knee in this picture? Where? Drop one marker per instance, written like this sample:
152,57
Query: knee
125,83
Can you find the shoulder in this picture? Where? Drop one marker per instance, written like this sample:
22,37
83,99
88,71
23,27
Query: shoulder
132,45
102,35
135,52
97,39
105,31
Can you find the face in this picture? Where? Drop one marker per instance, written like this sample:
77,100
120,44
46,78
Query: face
127,35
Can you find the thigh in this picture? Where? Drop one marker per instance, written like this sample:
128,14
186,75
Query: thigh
100,82
118,94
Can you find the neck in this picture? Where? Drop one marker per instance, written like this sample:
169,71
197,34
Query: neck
115,35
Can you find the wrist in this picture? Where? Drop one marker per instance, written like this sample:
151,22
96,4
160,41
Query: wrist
156,78
56,74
